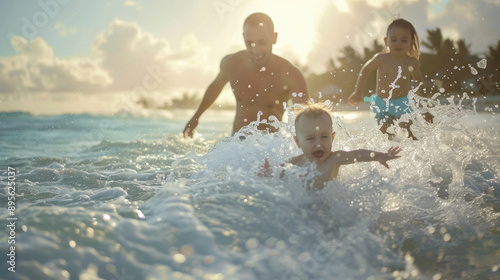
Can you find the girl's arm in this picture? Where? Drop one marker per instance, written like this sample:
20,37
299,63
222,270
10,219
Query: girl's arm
417,76
369,66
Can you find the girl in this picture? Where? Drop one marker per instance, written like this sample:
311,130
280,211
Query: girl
396,68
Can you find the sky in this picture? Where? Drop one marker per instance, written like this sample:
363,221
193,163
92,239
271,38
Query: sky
63,56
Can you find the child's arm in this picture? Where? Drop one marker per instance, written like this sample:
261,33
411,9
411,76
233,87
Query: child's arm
417,76
266,169
363,155
370,65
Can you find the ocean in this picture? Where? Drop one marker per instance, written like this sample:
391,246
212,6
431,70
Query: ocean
126,197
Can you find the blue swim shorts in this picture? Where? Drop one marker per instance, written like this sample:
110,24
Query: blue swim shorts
397,107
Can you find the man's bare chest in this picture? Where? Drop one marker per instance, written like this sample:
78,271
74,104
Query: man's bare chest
263,87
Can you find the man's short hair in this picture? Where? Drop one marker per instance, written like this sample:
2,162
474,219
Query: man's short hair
259,19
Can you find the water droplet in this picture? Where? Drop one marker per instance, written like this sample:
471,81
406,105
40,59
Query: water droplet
140,214
473,70
252,243
179,258
447,237
432,230
482,63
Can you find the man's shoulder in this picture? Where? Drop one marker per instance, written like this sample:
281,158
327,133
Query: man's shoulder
283,61
283,65
233,59
240,55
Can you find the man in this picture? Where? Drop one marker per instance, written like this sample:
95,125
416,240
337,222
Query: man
261,81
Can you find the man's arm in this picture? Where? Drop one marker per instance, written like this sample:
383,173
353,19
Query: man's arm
357,95
213,91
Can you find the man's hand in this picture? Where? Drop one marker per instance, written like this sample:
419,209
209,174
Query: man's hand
190,126
392,153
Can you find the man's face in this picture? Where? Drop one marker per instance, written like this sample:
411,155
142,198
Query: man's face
259,42
315,137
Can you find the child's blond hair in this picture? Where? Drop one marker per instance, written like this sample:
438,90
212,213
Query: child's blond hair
311,110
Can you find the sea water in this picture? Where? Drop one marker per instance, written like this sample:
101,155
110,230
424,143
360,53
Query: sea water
127,197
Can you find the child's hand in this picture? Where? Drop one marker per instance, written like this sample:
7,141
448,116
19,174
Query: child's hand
392,153
355,98
428,117
266,169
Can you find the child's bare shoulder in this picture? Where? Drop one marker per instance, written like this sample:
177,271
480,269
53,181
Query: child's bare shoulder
296,160
413,61
382,55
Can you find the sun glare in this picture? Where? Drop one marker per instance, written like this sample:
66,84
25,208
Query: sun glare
295,23
341,5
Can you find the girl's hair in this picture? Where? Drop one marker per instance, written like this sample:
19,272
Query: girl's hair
401,23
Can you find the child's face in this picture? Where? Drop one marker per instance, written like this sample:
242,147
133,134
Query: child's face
398,41
315,137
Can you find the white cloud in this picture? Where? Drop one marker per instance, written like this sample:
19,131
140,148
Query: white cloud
124,58
137,61
64,30
131,3
35,68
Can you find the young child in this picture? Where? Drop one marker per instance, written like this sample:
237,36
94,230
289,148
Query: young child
314,136
396,68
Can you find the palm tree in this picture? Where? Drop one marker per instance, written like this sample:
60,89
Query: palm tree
491,83
435,40
493,57
449,61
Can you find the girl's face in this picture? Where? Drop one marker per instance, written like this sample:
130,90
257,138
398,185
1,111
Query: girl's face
398,41
315,137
